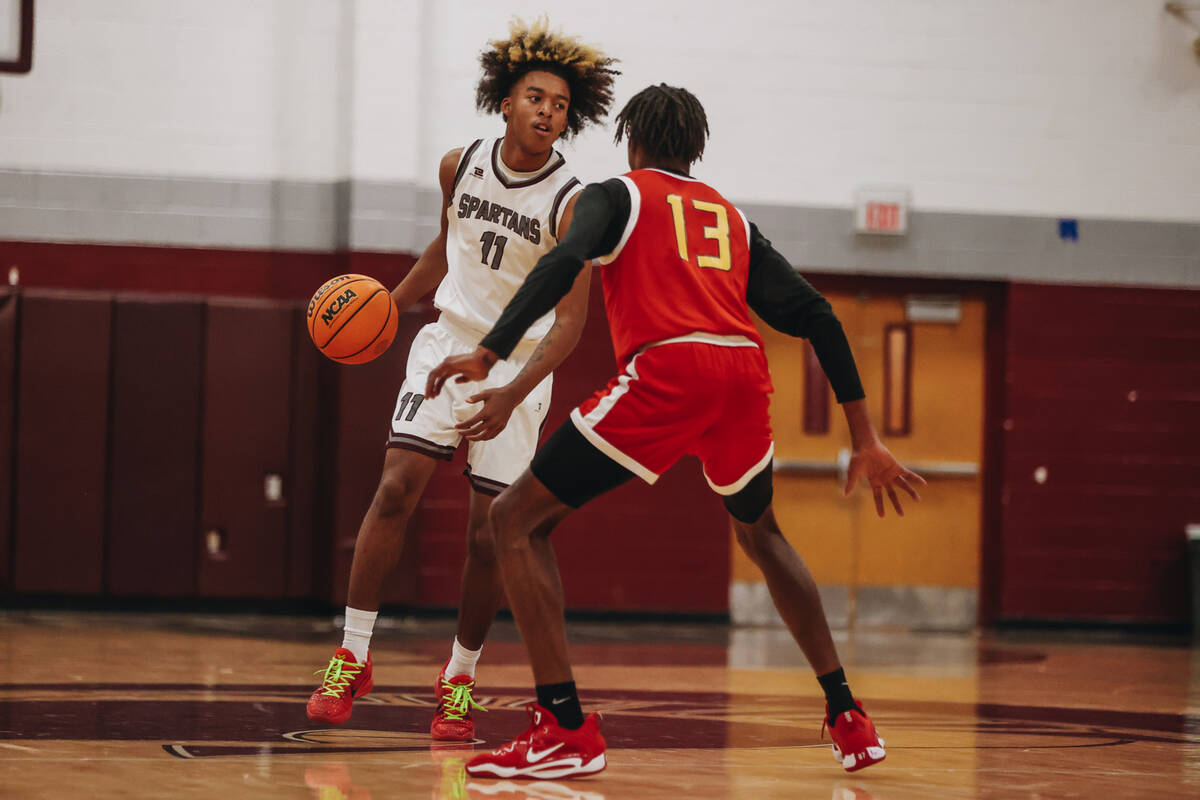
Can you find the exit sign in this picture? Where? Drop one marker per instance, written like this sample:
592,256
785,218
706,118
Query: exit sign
881,209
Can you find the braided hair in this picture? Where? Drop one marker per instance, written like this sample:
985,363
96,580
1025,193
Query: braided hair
529,47
665,122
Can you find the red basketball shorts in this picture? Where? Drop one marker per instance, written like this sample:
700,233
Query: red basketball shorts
686,398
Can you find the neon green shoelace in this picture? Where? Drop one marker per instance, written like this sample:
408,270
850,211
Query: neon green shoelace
458,700
338,676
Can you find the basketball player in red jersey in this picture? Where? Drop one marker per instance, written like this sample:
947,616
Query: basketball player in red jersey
505,203
683,267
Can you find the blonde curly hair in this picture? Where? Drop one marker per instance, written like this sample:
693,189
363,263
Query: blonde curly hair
586,69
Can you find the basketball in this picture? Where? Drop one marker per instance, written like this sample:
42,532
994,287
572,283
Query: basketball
352,319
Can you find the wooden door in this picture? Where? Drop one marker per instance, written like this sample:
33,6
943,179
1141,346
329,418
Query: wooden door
921,570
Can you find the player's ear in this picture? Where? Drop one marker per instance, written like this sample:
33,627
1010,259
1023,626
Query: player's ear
506,107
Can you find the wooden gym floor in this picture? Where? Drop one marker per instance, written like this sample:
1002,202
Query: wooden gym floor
183,706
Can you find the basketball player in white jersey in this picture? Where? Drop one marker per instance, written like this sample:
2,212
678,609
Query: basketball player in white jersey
506,202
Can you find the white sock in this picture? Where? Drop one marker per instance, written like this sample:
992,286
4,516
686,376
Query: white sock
358,627
462,660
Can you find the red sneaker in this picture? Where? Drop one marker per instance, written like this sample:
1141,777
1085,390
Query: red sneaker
855,743
452,721
545,751
344,681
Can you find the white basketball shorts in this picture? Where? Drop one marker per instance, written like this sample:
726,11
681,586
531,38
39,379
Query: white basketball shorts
426,426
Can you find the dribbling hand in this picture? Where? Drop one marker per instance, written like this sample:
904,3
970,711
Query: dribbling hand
470,367
498,405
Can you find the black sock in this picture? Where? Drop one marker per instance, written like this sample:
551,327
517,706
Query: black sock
837,693
561,700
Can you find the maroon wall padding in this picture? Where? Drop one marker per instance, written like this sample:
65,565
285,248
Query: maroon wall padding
246,428
62,407
154,449
9,302
641,548
251,273
306,523
364,398
1104,392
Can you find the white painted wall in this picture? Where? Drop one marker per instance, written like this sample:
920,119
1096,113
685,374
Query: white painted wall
387,123
229,88
1085,108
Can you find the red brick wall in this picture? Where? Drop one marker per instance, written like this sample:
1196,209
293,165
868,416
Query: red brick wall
1103,391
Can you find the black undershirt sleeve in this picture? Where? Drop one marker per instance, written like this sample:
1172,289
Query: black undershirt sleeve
601,213
791,305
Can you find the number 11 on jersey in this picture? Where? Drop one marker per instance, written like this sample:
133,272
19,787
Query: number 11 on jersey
488,239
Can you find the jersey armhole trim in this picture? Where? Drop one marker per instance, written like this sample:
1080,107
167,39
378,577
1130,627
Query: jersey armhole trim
463,162
635,207
745,222
570,188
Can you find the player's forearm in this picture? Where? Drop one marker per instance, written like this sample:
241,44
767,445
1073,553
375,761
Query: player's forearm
424,276
829,342
555,273
546,284
862,432
551,351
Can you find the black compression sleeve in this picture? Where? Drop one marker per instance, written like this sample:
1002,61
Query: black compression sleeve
597,215
791,305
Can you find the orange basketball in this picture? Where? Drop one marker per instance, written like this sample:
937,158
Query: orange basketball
352,319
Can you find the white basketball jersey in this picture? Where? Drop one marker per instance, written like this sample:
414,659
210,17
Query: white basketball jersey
499,226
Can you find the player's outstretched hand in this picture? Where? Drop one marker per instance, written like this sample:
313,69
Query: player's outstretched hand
471,367
498,405
881,469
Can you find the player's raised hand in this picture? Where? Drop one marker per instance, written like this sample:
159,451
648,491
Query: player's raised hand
881,469
469,367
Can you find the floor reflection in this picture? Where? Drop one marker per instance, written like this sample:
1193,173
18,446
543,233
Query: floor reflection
453,784
530,790
452,778
332,782
851,793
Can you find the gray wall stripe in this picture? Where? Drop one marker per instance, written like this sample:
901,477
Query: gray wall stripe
988,246
393,216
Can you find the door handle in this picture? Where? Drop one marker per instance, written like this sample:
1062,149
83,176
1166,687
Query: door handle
841,465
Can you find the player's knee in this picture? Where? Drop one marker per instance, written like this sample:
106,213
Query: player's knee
502,520
758,539
481,546
514,523
396,495
747,540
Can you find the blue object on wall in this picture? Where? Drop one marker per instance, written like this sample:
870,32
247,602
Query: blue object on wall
1068,229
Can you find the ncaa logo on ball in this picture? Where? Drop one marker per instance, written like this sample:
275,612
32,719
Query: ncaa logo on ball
312,304
337,305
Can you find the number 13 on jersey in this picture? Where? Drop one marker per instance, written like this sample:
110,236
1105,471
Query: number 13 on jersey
719,232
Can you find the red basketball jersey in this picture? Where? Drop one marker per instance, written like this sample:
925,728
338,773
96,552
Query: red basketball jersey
680,268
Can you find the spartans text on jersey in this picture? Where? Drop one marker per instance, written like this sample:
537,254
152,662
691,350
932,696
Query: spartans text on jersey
528,227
